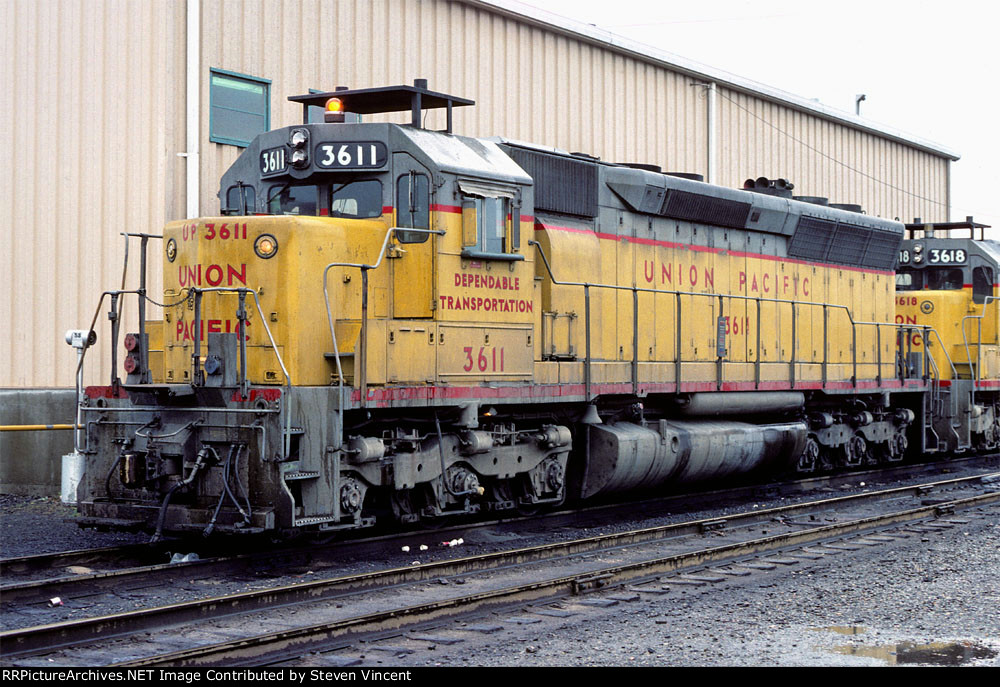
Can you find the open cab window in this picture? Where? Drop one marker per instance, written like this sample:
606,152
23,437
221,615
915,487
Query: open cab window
491,222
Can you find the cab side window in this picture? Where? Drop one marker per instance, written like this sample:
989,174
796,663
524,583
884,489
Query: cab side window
413,200
491,221
982,284
492,216
240,204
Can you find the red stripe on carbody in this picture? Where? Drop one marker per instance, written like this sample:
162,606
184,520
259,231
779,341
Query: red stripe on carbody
103,392
555,391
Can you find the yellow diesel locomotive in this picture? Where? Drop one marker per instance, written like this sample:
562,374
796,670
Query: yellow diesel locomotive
391,323
947,297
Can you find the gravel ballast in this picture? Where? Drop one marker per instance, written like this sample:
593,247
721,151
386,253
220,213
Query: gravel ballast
872,607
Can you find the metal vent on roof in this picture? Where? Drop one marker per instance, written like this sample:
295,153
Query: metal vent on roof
812,238
883,250
844,244
697,207
850,243
562,184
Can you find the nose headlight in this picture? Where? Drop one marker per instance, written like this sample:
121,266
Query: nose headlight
265,246
171,250
299,141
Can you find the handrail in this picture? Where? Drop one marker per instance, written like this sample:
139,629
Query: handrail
362,359
979,343
197,293
757,299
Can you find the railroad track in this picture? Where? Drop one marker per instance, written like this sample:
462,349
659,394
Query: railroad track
327,614
82,578
55,572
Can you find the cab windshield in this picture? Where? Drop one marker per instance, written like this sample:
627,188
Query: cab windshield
361,198
930,279
908,280
358,198
293,200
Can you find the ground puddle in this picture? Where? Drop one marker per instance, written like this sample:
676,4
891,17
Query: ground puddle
909,653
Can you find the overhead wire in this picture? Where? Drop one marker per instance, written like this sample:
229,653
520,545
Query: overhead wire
830,157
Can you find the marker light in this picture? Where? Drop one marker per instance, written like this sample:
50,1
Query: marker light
265,246
171,250
334,110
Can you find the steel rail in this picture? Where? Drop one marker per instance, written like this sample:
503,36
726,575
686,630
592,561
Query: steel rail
33,640
116,555
288,644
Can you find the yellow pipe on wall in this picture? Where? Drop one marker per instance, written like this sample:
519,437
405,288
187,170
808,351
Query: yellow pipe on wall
36,428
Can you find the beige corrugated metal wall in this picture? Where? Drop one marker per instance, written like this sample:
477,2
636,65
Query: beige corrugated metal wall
822,158
93,118
95,89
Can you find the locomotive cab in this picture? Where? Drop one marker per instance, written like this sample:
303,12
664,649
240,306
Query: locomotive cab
946,289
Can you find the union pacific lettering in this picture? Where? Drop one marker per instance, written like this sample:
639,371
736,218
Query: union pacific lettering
212,275
684,276
786,286
915,338
184,331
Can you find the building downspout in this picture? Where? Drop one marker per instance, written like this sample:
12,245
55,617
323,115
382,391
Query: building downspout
713,167
193,99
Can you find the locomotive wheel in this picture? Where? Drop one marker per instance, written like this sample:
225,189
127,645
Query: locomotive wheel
810,455
519,490
897,447
856,450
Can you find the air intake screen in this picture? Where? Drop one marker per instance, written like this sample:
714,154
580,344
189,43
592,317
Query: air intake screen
696,207
562,185
844,244
883,250
850,243
812,238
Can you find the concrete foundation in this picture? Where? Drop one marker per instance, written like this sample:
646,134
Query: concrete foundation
31,462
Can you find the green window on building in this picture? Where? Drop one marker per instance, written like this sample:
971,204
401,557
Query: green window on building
240,107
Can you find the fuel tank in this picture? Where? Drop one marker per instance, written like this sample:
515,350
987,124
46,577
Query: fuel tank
626,456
